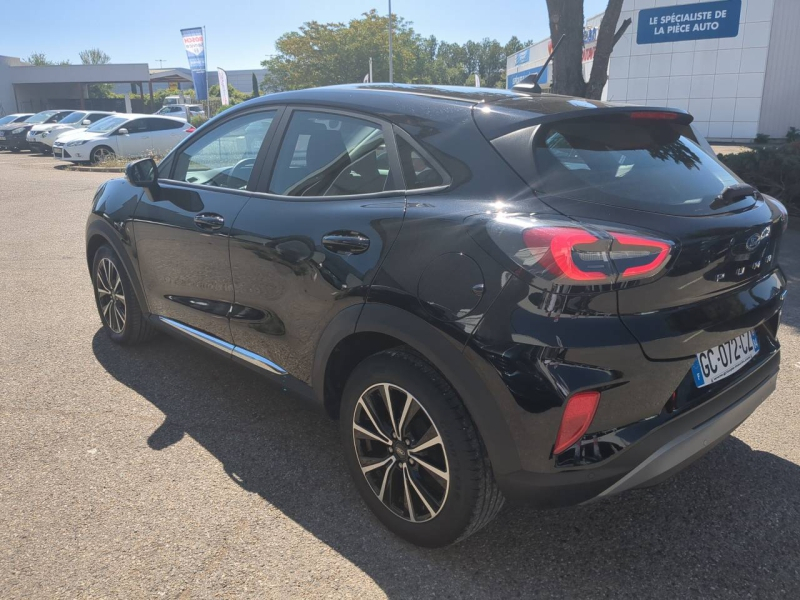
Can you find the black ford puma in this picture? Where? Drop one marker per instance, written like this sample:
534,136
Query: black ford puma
498,294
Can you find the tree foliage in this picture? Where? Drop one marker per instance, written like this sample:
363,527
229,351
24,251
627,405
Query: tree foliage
39,59
94,56
334,53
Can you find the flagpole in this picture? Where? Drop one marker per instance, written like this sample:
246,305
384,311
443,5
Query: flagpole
391,65
370,69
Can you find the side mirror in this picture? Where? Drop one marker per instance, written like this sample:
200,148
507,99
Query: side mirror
122,131
142,173
86,122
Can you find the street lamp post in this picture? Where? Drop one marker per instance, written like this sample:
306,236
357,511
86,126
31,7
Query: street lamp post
391,65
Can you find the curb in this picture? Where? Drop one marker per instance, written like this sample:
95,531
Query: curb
96,169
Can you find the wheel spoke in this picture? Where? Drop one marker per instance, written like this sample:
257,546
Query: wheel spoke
409,505
425,445
370,435
106,307
120,316
382,437
429,467
419,493
386,475
387,461
402,425
385,392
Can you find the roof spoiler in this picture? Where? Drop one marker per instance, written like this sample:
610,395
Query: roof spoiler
530,84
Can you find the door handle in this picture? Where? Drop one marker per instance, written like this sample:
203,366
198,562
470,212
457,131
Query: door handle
346,242
209,221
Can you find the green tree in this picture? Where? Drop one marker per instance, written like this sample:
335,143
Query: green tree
94,56
39,59
255,86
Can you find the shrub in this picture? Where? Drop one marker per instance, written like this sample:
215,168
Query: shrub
793,135
198,120
775,170
762,138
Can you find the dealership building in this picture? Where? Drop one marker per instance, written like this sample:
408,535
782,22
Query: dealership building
730,63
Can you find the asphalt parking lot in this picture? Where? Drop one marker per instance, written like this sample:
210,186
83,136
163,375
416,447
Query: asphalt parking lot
161,471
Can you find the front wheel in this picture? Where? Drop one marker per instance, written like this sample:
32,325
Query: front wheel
116,302
101,154
414,453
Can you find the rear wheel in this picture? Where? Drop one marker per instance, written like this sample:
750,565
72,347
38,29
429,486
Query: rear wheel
100,154
413,451
116,302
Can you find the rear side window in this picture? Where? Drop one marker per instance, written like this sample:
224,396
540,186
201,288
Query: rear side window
627,162
418,172
324,154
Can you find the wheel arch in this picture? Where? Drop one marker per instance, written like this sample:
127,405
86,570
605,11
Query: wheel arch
364,330
99,233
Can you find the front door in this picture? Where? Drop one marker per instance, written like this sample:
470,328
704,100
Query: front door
310,243
182,228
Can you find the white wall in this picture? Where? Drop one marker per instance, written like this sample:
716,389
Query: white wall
719,81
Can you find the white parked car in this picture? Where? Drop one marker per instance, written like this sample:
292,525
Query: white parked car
125,135
42,137
182,111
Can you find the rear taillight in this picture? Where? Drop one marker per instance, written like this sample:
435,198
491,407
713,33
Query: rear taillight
190,129
575,421
561,252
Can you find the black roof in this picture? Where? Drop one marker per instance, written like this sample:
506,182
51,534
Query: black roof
498,109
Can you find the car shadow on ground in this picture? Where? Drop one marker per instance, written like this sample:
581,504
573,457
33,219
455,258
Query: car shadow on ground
729,525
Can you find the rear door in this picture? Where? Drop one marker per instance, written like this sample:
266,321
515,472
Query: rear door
182,228
136,141
166,134
309,244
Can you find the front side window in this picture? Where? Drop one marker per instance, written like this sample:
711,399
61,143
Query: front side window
56,118
324,154
226,155
95,117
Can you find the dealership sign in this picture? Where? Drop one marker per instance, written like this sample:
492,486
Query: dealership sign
689,22
514,78
194,42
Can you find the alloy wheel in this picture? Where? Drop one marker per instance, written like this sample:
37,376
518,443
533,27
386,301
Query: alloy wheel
401,452
101,154
111,295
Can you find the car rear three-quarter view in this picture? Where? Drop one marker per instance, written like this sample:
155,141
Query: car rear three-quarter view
499,295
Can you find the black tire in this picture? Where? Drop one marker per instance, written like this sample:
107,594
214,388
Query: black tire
16,150
97,154
135,327
472,499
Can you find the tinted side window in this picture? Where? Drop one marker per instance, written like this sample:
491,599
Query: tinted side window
417,171
136,126
94,117
324,154
225,156
159,124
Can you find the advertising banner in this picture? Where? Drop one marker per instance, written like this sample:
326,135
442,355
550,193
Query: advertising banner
194,42
223,86
705,20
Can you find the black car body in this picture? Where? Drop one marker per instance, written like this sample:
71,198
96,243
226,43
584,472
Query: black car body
570,273
13,135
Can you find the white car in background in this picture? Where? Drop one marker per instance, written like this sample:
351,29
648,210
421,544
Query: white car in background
42,137
182,111
124,135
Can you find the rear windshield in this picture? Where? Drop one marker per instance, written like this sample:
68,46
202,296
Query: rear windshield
644,164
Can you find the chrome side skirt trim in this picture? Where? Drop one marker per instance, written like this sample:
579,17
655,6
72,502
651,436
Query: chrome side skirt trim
199,335
258,360
234,351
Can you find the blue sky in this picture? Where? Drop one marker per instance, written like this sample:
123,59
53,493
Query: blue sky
241,34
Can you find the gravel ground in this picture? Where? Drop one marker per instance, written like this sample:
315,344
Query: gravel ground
161,471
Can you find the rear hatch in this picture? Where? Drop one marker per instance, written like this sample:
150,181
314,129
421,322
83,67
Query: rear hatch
647,171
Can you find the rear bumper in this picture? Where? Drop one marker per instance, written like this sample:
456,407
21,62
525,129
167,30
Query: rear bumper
658,455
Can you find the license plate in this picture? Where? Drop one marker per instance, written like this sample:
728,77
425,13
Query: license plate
727,358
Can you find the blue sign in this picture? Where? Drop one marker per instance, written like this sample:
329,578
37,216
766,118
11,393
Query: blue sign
522,57
514,78
194,42
689,22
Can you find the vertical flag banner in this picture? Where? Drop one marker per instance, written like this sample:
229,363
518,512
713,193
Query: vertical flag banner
223,86
195,45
